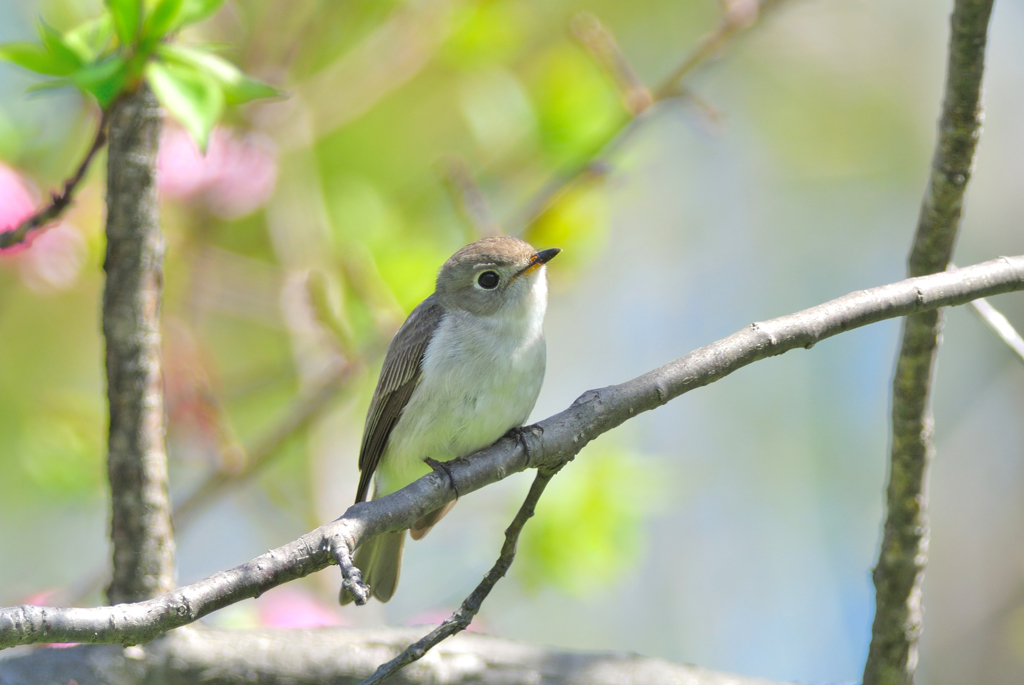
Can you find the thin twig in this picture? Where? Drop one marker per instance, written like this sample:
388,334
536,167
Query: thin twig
58,202
738,16
899,574
357,266
468,198
603,47
299,416
464,615
1001,325
592,168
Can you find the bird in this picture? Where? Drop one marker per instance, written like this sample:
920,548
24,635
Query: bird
464,369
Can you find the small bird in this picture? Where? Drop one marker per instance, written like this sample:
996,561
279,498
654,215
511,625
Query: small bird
464,369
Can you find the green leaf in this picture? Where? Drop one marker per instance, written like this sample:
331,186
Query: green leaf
238,88
50,84
126,14
90,38
193,11
103,80
55,45
192,97
35,57
160,22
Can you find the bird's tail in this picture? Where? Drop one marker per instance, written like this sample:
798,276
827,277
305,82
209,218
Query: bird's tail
379,560
425,523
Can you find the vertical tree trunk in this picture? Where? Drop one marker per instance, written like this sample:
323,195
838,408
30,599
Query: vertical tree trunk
140,526
892,656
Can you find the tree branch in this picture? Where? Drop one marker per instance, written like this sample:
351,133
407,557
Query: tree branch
546,445
461,619
340,656
58,203
140,528
892,656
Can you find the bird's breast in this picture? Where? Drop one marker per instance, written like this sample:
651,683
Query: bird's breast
479,378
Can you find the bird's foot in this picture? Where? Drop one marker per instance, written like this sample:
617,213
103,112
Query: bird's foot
519,433
352,586
442,466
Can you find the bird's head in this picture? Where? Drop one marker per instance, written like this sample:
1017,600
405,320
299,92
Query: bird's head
494,275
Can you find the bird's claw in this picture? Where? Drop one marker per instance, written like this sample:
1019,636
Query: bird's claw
442,466
519,433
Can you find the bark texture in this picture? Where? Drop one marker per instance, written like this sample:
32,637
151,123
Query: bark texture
340,656
892,656
140,525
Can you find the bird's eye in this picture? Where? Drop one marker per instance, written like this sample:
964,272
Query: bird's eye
488,280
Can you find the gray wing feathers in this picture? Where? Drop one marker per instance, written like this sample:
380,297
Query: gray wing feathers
398,378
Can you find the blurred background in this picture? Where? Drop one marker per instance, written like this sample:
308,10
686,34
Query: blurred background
734,528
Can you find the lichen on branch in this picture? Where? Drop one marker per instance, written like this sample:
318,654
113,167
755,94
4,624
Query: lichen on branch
899,573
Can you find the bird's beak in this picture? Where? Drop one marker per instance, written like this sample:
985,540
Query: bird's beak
545,256
538,260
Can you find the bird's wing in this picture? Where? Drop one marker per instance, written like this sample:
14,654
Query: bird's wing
398,378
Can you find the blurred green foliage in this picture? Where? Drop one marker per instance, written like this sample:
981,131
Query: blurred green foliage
761,197
61,447
577,105
577,220
486,33
588,526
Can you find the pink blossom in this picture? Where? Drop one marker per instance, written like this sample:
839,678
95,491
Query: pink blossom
180,168
40,598
43,599
16,205
57,254
286,607
55,260
236,177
